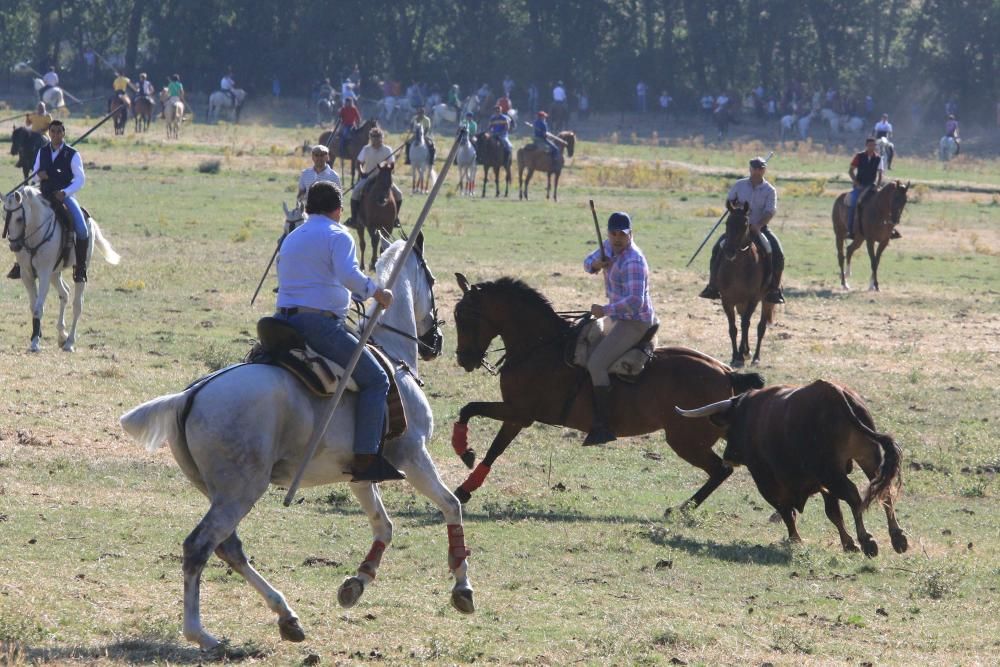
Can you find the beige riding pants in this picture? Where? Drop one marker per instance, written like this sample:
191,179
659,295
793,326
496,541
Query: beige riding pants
620,338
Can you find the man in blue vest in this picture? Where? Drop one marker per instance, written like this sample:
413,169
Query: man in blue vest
866,175
500,126
60,175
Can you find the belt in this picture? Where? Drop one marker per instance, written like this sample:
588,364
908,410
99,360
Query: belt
294,310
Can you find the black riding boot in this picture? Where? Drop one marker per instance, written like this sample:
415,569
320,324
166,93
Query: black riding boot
373,468
15,272
353,222
774,294
711,291
431,151
80,269
407,151
600,431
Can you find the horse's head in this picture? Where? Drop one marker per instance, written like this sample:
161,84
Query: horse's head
418,135
475,328
570,139
417,275
17,136
14,222
898,201
383,183
737,229
295,215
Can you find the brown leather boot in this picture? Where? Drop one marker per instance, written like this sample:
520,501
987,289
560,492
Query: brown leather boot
373,468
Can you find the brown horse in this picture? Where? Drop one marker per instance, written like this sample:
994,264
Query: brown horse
490,153
331,139
142,110
119,104
743,282
379,210
537,385
534,159
878,218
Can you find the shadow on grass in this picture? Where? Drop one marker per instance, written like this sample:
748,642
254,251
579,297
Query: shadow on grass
130,651
814,293
734,552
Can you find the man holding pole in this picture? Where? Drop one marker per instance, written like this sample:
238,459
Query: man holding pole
763,200
628,307
317,272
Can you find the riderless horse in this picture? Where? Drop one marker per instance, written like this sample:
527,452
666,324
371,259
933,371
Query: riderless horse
743,281
240,430
422,170
537,385
874,222
491,154
36,238
25,144
357,141
379,210
220,103
326,109
534,158
465,159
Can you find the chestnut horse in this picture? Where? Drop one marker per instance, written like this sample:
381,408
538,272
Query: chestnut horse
537,385
119,104
878,218
331,139
743,282
490,154
379,210
142,110
534,158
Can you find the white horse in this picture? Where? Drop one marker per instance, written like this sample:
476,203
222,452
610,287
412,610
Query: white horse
786,125
445,113
887,151
220,103
465,159
392,111
248,428
173,111
947,148
54,98
34,235
420,162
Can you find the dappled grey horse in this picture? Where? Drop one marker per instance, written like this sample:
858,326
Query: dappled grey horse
249,427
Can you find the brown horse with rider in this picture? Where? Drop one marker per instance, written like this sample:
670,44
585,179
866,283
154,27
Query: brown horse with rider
874,225
534,158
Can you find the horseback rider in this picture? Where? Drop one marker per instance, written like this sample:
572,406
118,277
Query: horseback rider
883,128
49,80
121,86
500,127
320,171
866,175
455,99
470,124
350,120
144,87
763,200
951,130
423,121
326,89
317,273
542,140
371,158
59,170
174,89
629,309
39,121
504,103
228,85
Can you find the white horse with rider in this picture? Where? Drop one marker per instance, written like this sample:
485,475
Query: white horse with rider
54,97
221,103
173,113
947,148
235,433
422,169
35,236
465,160
445,113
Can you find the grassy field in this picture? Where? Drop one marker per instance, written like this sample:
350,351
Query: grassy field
573,559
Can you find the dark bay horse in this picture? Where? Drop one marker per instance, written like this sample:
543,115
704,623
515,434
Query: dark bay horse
379,210
743,282
490,153
535,159
25,144
120,105
142,111
331,139
878,218
537,385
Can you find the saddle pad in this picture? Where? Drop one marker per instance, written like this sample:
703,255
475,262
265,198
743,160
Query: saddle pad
629,365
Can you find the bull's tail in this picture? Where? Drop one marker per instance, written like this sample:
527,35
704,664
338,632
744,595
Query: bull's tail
110,256
888,478
742,382
157,421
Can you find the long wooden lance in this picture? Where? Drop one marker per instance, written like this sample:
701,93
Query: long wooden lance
320,429
597,227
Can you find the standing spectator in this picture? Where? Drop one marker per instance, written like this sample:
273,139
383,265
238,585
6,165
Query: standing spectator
951,107
869,107
582,104
532,97
275,86
347,90
707,103
356,76
665,101
508,85
558,93
640,96
772,109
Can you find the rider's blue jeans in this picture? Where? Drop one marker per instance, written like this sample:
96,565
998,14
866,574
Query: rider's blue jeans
855,192
328,336
76,213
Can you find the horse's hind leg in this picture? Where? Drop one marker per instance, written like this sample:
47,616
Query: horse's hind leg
765,317
78,289
875,263
371,502
423,476
843,488
231,552
832,507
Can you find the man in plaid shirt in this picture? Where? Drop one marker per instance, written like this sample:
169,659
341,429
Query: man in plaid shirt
626,283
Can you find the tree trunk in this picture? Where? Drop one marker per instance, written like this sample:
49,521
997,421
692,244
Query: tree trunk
132,37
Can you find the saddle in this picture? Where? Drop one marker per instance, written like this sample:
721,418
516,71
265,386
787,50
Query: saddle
281,345
627,367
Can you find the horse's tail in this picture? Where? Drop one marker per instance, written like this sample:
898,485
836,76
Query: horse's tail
156,422
110,256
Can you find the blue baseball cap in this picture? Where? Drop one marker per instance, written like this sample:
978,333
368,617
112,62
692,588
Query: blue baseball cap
620,222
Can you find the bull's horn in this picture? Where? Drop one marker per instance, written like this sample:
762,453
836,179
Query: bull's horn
707,410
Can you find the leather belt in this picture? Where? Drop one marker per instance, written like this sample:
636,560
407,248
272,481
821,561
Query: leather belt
294,310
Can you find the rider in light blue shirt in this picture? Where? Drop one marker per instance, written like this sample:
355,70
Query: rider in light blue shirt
542,139
317,272
500,127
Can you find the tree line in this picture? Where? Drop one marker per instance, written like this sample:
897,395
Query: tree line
898,51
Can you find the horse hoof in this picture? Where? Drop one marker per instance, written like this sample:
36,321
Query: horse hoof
468,458
463,495
350,592
850,547
462,601
34,347
290,630
755,362
900,543
68,347
737,362
870,548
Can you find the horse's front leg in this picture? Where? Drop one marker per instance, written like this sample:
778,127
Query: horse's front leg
555,188
548,184
745,319
375,244
371,502
63,291
37,300
765,316
486,179
873,282
513,423
730,310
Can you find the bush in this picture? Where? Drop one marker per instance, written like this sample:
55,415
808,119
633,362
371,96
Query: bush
210,167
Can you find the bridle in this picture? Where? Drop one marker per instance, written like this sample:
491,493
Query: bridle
21,242
740,251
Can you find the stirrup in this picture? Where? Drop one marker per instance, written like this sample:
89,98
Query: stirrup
710,292
374,469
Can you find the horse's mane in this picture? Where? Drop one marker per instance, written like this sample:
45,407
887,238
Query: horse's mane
518,290
387,260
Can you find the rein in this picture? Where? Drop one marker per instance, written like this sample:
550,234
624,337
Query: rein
509,358
22,241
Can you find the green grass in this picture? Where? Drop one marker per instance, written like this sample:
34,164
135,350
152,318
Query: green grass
572,559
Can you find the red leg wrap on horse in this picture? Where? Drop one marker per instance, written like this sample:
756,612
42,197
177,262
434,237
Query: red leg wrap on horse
460,438
373,559
476,479
457,551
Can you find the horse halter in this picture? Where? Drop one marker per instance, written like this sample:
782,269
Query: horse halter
431,342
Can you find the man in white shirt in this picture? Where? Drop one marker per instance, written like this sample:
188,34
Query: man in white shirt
51,79
320,171
883,129
559,93
371,156
317,273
